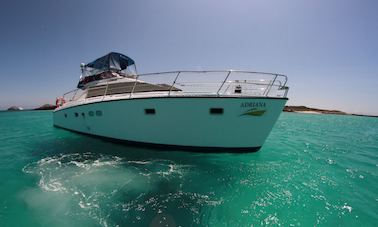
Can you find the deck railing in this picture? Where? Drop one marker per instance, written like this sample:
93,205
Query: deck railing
194,83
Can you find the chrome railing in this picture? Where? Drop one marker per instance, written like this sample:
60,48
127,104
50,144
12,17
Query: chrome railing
214,83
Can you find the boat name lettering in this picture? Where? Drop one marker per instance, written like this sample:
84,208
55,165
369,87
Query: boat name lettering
252,104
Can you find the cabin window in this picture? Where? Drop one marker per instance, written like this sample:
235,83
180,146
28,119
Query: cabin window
98,113
149,111
91,113
65,115
83,114
216,110
76,114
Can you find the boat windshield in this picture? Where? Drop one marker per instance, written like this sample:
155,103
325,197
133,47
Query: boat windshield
112,65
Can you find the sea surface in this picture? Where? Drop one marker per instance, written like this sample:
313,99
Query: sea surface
313,170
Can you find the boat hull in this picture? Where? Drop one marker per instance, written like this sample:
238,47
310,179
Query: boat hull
234,124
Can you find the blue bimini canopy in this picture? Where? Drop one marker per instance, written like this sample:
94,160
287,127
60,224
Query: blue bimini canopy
104,67
111,61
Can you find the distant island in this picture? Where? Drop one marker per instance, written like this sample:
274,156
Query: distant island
15,108
43,107
46,107
305,109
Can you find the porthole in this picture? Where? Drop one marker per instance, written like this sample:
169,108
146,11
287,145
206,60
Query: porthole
91,113
65,115
83,114
76,114
149,111
216,110
98,113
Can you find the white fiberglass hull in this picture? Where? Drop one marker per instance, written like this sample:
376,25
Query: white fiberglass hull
208,123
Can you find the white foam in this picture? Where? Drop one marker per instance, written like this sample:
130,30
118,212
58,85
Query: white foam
271,220
79,164
53,185
140,162
330,161
349,208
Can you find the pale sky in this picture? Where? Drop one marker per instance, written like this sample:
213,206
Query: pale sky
327,48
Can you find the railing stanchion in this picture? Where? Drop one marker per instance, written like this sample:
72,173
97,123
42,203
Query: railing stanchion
132,90
286,90
174,82
106,90
229,72
269,87
73,97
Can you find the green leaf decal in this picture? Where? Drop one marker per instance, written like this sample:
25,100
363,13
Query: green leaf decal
254,112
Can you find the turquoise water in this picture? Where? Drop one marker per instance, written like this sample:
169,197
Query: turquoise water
314,170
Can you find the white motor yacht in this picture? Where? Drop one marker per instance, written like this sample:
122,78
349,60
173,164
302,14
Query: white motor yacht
210,111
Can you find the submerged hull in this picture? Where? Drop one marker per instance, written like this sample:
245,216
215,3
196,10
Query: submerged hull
235,124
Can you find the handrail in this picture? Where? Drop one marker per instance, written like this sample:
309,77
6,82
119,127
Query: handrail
218,71
69,92
251,86
213,71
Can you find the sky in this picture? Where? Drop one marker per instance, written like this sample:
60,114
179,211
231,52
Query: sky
327,48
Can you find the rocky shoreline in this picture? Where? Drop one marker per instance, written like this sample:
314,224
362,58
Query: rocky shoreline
305,109
46,107
43,107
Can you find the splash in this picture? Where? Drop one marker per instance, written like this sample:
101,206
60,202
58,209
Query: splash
110,190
